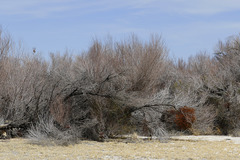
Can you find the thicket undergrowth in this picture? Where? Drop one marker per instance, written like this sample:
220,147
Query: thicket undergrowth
119,88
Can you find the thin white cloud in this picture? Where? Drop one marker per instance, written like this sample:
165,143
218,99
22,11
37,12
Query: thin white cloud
46,7
35,8
208,6
43,8
178,6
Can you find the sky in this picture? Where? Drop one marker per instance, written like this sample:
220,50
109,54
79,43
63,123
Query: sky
188,27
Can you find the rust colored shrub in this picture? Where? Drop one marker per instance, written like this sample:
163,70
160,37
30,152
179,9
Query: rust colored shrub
179,119
185,117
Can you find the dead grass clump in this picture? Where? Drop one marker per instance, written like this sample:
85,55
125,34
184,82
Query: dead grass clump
45,132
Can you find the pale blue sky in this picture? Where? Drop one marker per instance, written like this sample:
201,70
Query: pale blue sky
187,26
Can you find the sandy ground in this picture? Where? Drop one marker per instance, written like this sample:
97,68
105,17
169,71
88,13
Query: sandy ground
178,148
235,140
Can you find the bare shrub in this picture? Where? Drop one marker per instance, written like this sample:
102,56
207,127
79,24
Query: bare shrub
143,62
205,121
227,56
5,44
118,78
23,84
60,112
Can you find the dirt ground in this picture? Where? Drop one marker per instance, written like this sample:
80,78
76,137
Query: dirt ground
21,149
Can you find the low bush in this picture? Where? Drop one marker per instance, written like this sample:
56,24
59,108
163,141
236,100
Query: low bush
185,117
181,119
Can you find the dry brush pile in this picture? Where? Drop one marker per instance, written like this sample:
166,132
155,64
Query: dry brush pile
118,88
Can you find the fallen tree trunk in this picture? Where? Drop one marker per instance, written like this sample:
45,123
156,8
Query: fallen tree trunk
12,130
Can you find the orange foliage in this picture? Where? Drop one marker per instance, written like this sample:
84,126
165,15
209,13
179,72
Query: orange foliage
185,117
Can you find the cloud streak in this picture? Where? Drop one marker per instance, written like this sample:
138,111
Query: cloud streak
207,7
36,8
39,8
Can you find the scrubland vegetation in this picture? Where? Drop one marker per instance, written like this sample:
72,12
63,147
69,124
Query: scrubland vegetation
117,88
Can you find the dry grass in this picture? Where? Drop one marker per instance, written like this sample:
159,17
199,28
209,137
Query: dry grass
21,149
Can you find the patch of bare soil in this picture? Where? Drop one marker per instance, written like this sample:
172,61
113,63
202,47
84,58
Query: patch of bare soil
173,149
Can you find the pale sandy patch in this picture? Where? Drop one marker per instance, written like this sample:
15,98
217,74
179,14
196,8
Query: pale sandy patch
174,149
235,140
